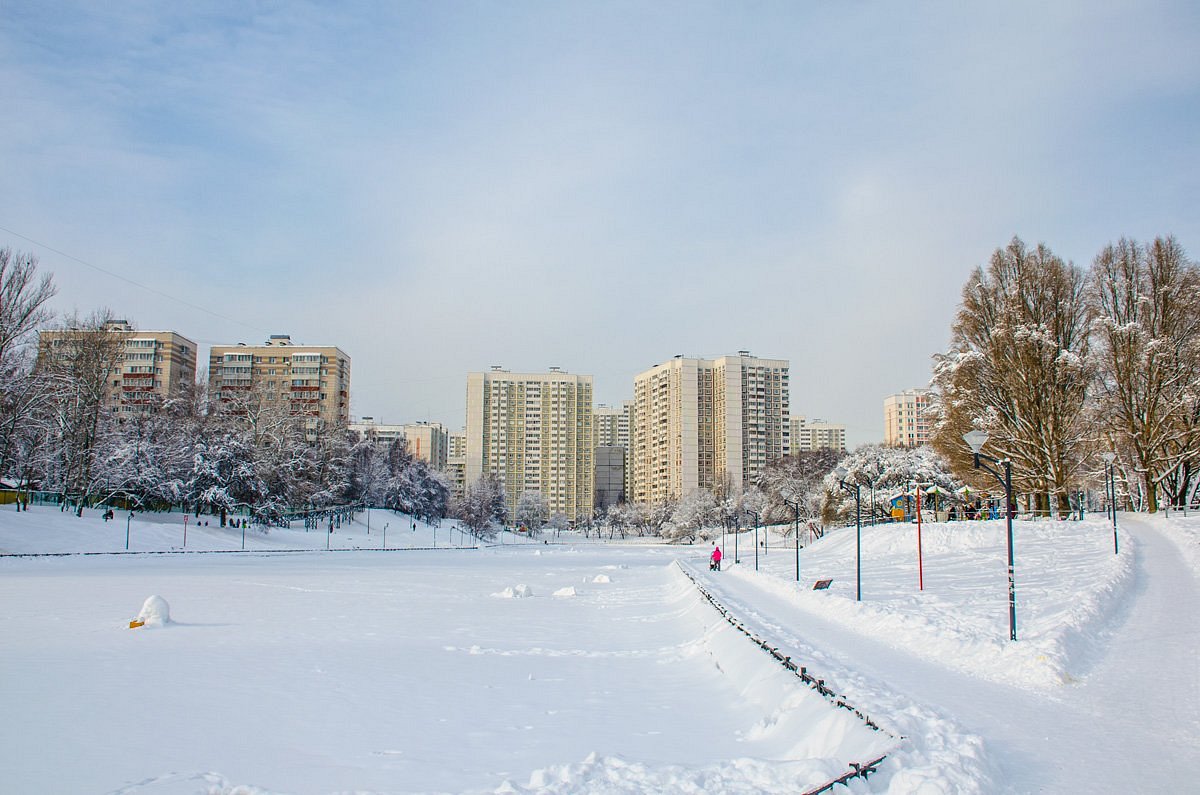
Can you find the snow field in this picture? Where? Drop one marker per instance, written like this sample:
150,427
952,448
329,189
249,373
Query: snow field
385,673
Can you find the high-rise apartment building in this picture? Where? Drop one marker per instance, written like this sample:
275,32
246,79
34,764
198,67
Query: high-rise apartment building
456,461
706,423
428,441
612,425
904,421
306,380
808,435
534,432
144,366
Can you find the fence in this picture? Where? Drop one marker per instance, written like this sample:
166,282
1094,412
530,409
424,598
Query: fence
857,769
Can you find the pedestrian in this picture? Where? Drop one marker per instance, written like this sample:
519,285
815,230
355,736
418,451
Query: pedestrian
715,558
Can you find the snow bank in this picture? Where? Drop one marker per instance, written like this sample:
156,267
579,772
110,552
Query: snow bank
601,578
1069,587
566,592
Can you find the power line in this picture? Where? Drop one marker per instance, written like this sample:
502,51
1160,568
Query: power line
127,280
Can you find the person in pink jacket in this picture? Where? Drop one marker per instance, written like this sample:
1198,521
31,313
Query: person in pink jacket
715,560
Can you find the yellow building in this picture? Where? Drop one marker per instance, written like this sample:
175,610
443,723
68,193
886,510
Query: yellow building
707,424
306,380
145,366
904,420
534,432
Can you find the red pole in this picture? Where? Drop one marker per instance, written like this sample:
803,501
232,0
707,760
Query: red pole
920,558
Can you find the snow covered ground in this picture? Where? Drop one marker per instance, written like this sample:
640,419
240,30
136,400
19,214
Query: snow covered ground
436,666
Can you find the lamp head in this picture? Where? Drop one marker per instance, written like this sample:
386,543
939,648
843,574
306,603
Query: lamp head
975,440
841,473
1109,456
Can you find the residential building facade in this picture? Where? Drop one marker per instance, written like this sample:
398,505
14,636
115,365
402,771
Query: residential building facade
707,423
535,432
808,435
146,366
428,441
306,380
904,420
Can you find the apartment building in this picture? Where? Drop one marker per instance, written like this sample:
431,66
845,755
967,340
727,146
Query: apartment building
612,424
306,380
456,461
612,431
428,441
808,435
534,431
904,421
144,366
707,423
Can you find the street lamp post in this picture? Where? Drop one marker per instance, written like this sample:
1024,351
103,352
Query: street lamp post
975,440
1110,483
795,506
127,521
841,474
755,515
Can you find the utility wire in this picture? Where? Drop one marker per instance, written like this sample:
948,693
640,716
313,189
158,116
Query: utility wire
131,281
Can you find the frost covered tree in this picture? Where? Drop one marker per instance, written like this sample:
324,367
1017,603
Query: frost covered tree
1146,303
531,510
1018,368
796,478
23,298
882,472
696,513
483,506
77,366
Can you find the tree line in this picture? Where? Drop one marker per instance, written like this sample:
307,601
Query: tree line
1060,364
189,449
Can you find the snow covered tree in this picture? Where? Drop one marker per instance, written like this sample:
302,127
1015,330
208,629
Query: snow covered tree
483,506
77,365
1017,367
881,473
797,479
693,515
531,510
23,298
1146,302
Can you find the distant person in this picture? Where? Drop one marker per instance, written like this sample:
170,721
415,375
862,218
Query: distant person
714,563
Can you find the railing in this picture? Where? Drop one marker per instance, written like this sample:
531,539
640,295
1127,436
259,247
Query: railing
857,769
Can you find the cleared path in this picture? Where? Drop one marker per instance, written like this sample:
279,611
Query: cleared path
1117,729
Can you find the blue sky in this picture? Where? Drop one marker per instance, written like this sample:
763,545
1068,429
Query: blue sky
442,187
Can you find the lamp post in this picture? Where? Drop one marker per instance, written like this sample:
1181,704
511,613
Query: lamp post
975,440
1110,483
127,521
736,533
755,515
841,474
795,506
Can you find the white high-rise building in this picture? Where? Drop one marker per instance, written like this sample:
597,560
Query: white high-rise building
809,435
534,432
904,421
428,441
707,423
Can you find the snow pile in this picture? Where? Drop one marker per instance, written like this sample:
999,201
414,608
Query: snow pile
566,592
155,612
515,592
601,578
1184,532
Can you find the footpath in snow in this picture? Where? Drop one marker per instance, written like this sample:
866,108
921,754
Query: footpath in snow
1101,693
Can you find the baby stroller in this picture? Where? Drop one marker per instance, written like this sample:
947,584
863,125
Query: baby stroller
714,564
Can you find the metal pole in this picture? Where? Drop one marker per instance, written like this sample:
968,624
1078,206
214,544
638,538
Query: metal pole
920,556
1012,588
127,521
1113,480
796,534
735,543
755,542
243,534
858,539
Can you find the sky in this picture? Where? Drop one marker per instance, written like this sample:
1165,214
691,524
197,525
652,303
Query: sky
437,188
